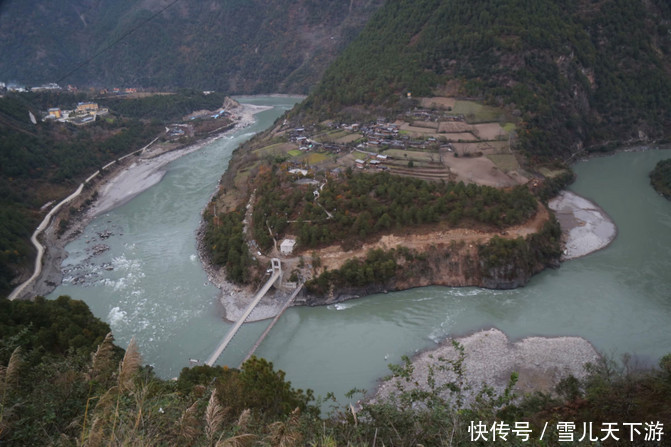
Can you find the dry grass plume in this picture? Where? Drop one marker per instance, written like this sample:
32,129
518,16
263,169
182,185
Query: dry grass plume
103,358
214,416
130,365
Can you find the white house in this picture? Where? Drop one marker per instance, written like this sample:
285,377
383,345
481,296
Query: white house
287,246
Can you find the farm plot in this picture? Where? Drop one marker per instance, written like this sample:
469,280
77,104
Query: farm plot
399,154
505,162
490,131
478,113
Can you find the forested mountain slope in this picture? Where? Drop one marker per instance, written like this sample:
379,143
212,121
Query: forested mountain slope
578,72
248,46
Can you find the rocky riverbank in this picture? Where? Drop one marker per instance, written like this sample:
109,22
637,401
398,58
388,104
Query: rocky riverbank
490,358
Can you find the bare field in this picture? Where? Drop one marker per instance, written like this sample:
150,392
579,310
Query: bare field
481,146
426,124
400,154
476,112
316,157
438,102
349,138
505,162
454,127
331,136
464,136
550,173
483,171
420,131
490,131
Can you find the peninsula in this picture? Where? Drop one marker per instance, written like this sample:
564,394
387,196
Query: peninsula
352,209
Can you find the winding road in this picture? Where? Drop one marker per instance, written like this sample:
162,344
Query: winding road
47,220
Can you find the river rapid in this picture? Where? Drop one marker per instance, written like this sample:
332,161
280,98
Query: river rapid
150,283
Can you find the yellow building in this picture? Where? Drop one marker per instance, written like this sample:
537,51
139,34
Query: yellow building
87,107
55,112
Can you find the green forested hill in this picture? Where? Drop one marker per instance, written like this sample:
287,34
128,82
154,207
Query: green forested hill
235,46
578,72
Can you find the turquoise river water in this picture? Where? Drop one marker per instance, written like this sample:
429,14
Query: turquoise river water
618,298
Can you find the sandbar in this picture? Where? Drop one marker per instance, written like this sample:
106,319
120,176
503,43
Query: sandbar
147,170
585,226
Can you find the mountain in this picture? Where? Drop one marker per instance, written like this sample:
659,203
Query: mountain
578,73
236,46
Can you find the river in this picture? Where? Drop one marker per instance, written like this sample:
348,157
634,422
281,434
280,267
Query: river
156,290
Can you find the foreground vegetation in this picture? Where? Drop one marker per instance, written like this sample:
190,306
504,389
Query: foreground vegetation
660,178
64,383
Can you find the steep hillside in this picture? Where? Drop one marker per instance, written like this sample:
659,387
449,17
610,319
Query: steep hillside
580,73
228,45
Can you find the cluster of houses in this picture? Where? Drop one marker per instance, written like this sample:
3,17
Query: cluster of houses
85,113
12,87
17,88
377,135
373,160
52,86
298,136
306,144
433,115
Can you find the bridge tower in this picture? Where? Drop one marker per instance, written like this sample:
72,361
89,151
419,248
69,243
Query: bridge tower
277,268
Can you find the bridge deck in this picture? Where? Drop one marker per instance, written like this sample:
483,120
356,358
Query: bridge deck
231,333
270,326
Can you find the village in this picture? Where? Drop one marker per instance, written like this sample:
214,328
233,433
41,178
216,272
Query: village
443,139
